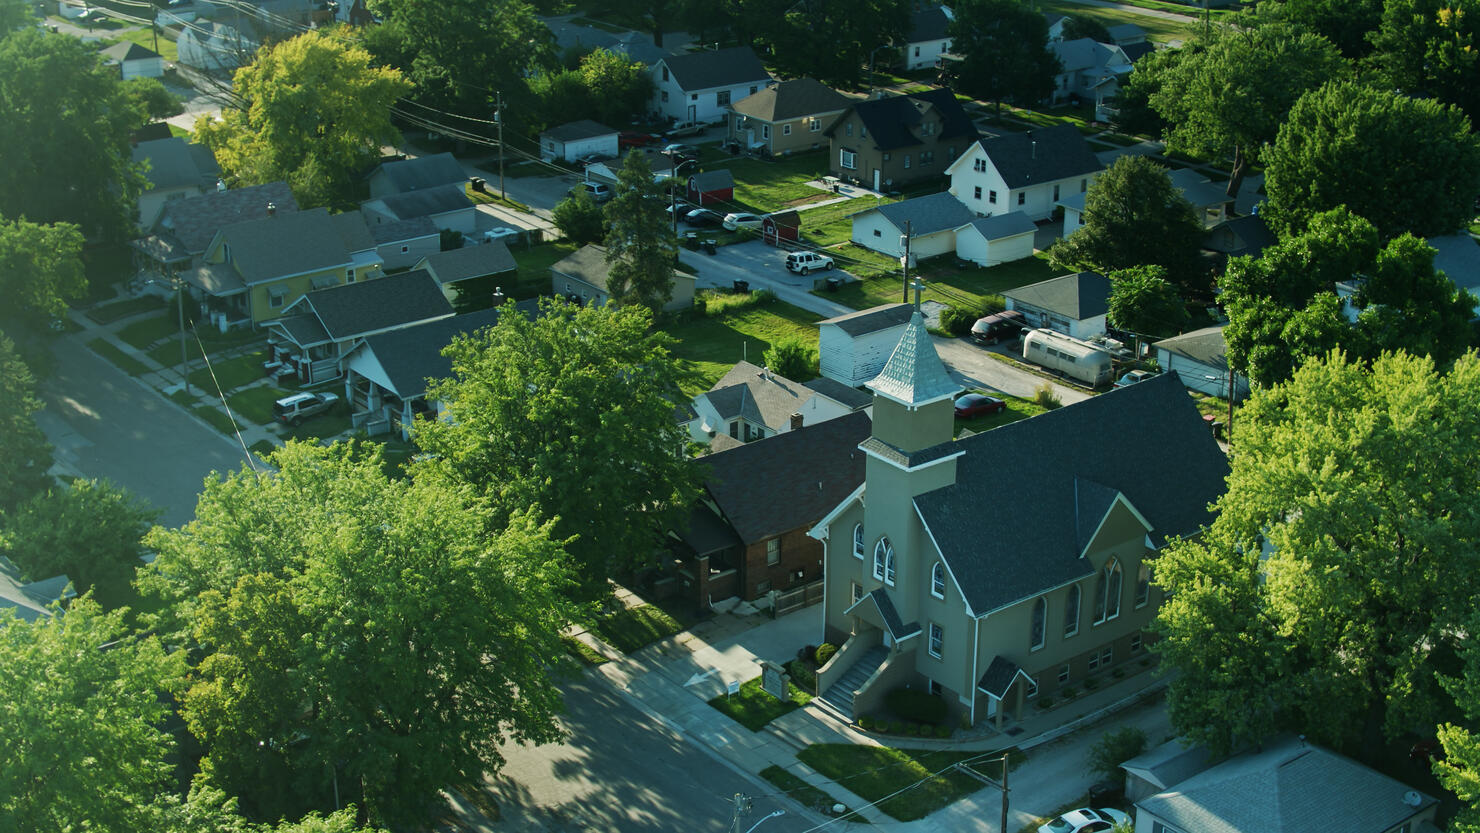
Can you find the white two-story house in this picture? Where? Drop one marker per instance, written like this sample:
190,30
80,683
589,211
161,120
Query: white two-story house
1026,172
700,86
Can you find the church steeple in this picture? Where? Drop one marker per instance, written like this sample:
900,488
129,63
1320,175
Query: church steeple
913,393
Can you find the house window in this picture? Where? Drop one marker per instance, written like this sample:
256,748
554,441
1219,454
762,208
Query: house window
884,561
665,96
927,129
935,688
773,552
1032,685
276,296
848,129
937,640
694,97
863,131
907,161
979,165
1107,595
1083,185
857,591
878,233
765,131
1056,193
405,249
1107,656
976,193
1136,644
927,157
886,157
349,275
858,541
1071,612
1094,660
1022,197
847,160
722,98
1039,625
753,88
735,429
763,587
1143,585
814,125
917,52
1063,673
665,73
992,197
785,130
938,580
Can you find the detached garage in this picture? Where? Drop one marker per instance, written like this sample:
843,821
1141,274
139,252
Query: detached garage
932,222
577,139
134,61
1201,361
989,241
853,348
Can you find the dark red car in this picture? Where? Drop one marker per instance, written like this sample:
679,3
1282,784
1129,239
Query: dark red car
629,139
975,404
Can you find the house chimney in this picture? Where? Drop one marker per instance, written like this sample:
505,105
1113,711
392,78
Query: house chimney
498,296
272,209
796,421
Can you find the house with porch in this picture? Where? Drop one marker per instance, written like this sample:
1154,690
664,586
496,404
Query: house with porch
886,143
786,117
317,332
1025,172
751,403
701,86
944,576
750,542
1075,304
186,226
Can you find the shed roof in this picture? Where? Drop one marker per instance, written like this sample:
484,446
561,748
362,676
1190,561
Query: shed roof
1046,155
1077,296
586,264
471,262
716,180
926,215
999,226
1205,346
129,51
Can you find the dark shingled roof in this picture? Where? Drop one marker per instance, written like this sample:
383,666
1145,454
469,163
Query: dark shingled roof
286,244
872,320
891,122
706,532
174,163
1005,545
577,130
471,262
788,481
721,68
839,392
194,221
716,180
438,199
998,677
1247,235
1205,346
1057,152
928,23
401,230
791,100
422,172
879,597
413,355
1137,51
1078,296
926,215
904,458
999,226
129,51
370,306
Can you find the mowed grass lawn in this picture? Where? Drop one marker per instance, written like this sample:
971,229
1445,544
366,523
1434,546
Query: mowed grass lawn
1017,409
753,707
778,184
873,772
713,344
1157,29
945,281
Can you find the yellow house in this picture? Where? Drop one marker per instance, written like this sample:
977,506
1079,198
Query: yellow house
254,270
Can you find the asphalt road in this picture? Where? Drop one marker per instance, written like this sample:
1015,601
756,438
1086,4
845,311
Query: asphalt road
622,770
105,424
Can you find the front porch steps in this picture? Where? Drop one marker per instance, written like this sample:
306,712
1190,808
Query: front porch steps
840,694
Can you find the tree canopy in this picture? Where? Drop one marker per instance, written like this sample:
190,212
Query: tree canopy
831,40
348,624
65,134
315,113
1427,49
1337,575
25,455
604,85
1406,164
579,218
569,416
640,247
1230,98
40,272
1459,771
1347,24
1142,300
1003,46
88,529
1133,216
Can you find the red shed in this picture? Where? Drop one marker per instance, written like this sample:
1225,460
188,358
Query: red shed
711,186
783,225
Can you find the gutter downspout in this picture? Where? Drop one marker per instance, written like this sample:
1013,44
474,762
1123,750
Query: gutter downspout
975,652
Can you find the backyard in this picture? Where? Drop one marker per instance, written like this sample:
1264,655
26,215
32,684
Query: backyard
713,343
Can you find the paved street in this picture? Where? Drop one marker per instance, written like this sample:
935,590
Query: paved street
106,424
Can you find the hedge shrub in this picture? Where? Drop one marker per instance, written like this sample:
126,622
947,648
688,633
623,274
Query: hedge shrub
825,652
918,706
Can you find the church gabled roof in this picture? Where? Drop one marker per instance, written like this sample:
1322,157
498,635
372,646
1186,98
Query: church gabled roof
914,374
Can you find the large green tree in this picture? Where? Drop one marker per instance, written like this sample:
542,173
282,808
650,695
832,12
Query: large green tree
314,112
1406,164
89,530
640,247
604,85
83,701
25,455
1143,301
40,272
1134,113
1459,771
579,218
1133,216
359,633
65,134
570,416
1339,572
1348,24
1003,46
831,40
1428,49
1230,98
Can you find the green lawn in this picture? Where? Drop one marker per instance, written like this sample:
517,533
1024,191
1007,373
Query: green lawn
218,420
713,344
945,281
255,404
779,184
873,772
1157,28
583,652
328,424
166,46
1017,409
629,629
117,310
128,364
231,373
803,793
167,352
145,332
753,708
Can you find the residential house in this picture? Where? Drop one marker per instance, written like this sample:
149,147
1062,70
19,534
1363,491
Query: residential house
215,47
1201,360
315,334
943,576
702,86
1208,199
927,40
1458,256
419,174
400,244
1126,34
447,206
751,403
134,60
386,375
891,142
1283,786
750,542
187,226
176,170
1247,235
852,348
606,172
1074,304
1088,70
473,276
709,187
635,46
581,277
931,222
254,270
573,140
30,600
1055,26
1025,172
786,116
1001,238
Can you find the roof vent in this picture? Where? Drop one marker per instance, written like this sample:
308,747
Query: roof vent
272,209
1413,798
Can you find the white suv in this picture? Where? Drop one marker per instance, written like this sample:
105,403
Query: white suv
805,262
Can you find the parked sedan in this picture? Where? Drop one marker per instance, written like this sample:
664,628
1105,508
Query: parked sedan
631,139
703,217
976,404
742,220
1085,820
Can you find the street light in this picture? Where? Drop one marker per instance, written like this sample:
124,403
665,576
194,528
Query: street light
766,819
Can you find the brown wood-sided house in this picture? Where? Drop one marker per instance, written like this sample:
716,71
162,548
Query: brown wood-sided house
890,142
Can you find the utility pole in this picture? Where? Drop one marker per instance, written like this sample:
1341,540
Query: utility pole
742,806
498,116
904,262
179,287
1002,785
